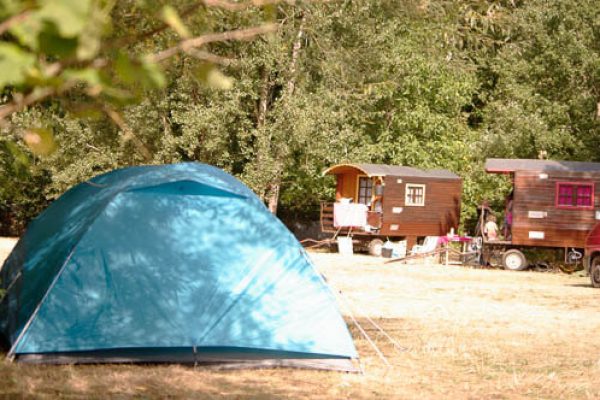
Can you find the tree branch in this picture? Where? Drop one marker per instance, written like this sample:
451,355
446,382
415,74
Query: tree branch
20,101
189,46
239,34
291,86
15,19
222,4
210,57
235,6
128,134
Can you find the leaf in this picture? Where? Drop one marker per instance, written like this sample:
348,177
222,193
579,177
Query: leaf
100,23
88,112
89,76
171,18
27,31
15,64
209,75
40,141
118,96
89,42
218,80
20,159
153,75
9,8
69,16
270,12
51,43
142,71
125,69
55,27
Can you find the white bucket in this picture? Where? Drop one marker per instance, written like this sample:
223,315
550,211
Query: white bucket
345,245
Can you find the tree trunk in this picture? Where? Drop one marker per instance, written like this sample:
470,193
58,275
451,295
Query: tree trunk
262,144
291,86
263,102
275,186
274,195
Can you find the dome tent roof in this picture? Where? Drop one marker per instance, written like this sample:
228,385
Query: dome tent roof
179,263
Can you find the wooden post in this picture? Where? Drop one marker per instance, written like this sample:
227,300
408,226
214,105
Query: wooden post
447,245
410,242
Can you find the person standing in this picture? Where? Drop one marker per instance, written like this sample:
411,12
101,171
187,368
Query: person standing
491,228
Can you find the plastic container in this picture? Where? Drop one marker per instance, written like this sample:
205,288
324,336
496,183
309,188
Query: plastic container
399,249
387,249
345,247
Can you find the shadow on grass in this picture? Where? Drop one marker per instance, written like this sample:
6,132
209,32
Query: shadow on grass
160,381
582,285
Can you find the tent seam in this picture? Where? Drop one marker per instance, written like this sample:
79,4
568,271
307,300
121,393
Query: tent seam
11,352
178,180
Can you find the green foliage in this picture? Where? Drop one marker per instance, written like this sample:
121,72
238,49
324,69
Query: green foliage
69,49
546,84
171,17
66,29
22,184
431,84
16,63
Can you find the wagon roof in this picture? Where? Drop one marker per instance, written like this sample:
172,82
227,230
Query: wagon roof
506,165
393,170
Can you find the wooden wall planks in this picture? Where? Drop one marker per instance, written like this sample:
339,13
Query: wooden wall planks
561,227
440,213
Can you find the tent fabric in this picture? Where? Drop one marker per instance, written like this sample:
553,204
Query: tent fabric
166,263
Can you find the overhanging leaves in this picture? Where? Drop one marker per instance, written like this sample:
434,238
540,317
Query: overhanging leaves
15,64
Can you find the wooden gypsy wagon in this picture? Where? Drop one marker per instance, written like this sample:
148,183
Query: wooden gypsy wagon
375,202
554,204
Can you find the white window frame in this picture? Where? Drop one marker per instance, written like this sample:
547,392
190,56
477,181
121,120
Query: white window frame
407,198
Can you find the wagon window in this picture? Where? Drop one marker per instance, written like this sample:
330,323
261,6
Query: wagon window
574,194
415,195
365,188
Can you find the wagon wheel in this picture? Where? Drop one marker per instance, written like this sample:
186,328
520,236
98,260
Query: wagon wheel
375,247
514,260
595,272
480,251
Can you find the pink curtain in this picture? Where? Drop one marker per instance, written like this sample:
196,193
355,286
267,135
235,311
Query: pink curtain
565,195
584,196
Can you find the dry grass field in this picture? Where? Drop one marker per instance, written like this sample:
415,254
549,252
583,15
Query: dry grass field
460,333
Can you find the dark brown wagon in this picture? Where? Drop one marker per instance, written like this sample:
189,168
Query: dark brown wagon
400,203
555,204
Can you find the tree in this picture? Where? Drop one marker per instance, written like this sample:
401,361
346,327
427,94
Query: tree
66,48
540,85
432,84
74,67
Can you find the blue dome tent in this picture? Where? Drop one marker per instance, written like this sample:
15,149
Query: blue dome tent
173,263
